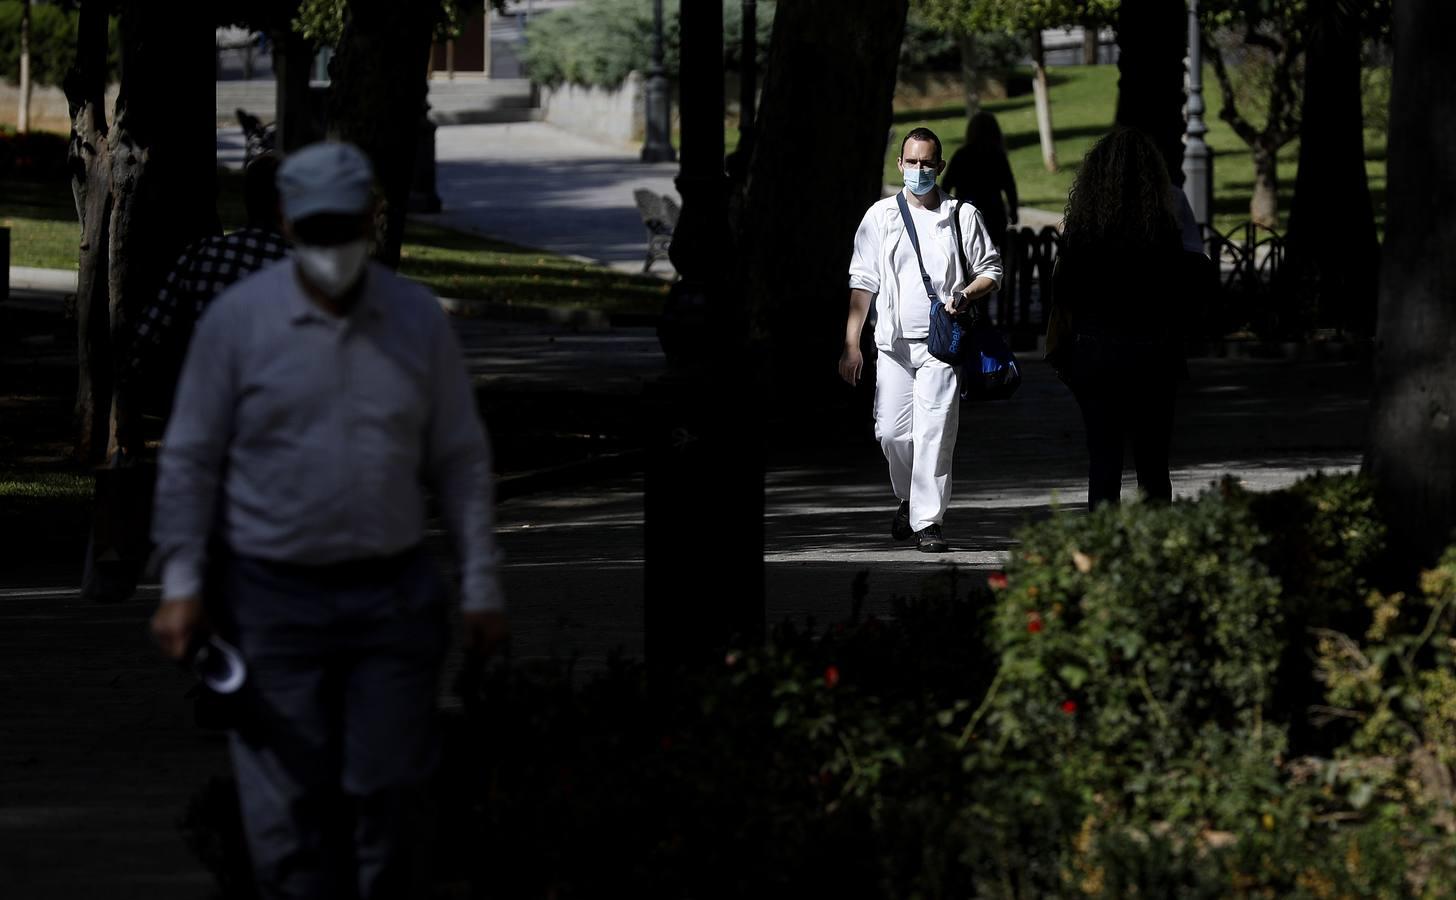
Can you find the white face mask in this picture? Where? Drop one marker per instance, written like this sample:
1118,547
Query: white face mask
335,269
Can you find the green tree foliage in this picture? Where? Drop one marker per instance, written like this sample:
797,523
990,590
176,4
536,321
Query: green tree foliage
52,42
974,16
322,21
931,47
1257,49
597,42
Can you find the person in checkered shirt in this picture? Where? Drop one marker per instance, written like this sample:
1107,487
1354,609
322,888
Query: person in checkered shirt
203,271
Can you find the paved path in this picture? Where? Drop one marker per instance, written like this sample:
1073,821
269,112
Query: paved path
533,184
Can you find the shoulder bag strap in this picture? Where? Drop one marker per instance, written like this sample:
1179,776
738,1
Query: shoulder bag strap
915,242
955,228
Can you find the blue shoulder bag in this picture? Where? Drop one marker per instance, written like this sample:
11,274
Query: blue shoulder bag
947,341
988,367
989,371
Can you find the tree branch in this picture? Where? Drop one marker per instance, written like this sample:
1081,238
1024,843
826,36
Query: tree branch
1230,111
1283,123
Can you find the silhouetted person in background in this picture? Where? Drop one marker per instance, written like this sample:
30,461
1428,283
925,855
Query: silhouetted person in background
980,173
1129,287
203,271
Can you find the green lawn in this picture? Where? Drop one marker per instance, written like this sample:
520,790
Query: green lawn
44,233
41,217
469,267
1083,100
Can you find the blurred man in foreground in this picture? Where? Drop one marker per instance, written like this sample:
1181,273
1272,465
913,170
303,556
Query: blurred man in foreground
318,400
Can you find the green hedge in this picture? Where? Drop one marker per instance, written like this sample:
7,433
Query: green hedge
597,42
35,155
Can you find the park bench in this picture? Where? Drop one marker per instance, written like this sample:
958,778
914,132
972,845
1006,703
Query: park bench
659,216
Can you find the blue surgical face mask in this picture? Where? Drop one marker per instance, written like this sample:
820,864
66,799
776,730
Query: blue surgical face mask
919,181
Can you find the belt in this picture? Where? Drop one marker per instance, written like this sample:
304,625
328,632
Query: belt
345,573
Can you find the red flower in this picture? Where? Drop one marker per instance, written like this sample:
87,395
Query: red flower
996,581
1069,707
1033,622
831,676
666,742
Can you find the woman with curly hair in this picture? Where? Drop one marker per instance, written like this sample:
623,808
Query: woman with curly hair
1125,281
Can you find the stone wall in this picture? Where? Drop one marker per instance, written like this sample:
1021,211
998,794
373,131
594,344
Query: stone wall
614,116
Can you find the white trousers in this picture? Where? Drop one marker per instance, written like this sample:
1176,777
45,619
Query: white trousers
917,413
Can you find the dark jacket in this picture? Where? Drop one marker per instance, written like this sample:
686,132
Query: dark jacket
1129,308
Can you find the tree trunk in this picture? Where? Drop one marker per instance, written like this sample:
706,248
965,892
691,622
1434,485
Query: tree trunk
292,67
22,121
843,53
704,415
90,159
971,76
1413,415
1152,39
1043,101
1264,204
377,101
1332,246
143,186
1089,45
163,162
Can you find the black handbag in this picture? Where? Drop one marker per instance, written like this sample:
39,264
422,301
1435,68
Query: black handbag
948,338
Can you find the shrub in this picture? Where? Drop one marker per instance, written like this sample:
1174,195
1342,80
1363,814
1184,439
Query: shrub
36,154
1135,627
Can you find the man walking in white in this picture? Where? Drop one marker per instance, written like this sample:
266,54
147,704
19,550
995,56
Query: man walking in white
319,398
917,397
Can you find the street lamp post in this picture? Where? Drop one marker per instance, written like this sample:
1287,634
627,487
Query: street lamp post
658,119
1197,155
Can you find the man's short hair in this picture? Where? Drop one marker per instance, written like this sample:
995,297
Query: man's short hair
920,134
260,191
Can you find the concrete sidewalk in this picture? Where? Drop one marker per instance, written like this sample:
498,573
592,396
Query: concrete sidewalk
533,184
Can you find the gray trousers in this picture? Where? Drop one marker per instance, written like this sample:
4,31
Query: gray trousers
336,734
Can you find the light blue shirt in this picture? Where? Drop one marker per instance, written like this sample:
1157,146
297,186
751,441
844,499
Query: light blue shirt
306,438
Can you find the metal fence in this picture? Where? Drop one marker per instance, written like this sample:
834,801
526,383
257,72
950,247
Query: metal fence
1249,260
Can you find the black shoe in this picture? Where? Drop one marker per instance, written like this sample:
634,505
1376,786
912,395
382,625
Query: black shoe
900,528
929,540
